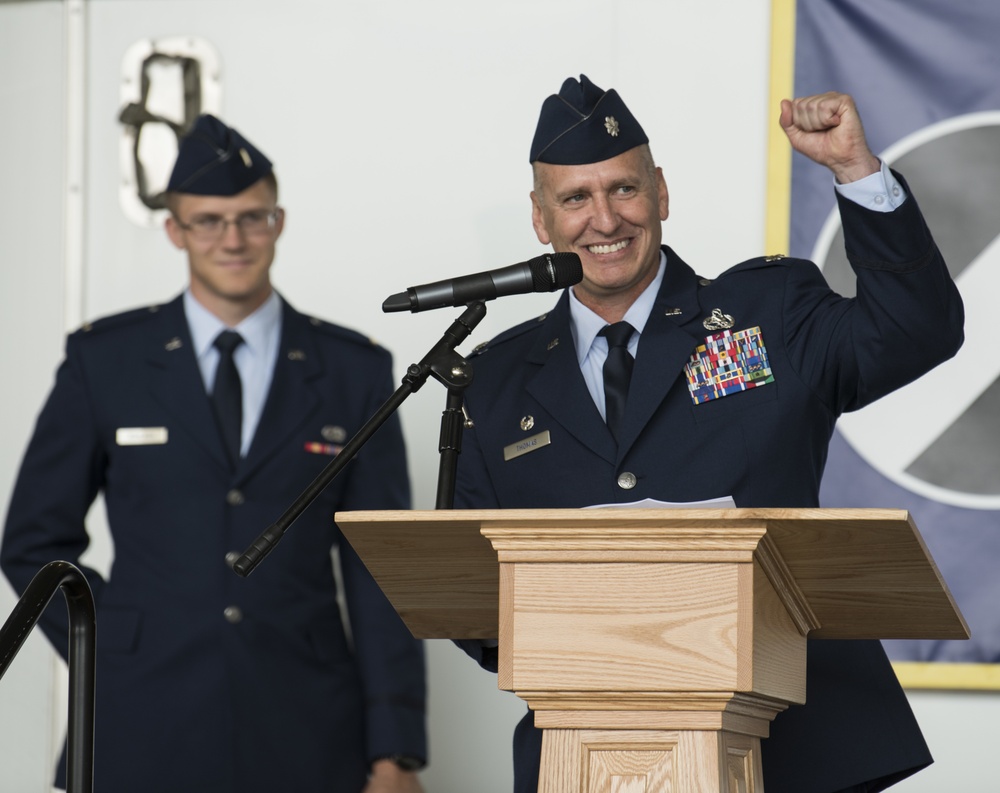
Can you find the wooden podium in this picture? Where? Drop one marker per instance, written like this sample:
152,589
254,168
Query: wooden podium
655,645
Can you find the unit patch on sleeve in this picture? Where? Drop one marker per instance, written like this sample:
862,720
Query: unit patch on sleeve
727,363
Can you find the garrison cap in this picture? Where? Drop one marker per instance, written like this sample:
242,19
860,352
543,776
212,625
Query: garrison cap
584,124
214,159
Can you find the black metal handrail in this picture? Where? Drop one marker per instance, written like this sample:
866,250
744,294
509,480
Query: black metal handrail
82,658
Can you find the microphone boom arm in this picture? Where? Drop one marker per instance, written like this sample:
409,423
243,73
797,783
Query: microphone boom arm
448,367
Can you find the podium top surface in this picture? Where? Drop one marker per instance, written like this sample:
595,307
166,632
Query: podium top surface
865,573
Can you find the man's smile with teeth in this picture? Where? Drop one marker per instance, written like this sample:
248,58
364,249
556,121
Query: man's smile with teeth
617,246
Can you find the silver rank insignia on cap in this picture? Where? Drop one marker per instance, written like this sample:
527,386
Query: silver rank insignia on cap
246,158
718,320
611,125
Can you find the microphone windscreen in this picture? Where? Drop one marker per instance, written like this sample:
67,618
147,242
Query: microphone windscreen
553,271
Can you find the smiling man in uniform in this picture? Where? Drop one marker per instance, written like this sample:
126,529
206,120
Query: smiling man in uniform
621,388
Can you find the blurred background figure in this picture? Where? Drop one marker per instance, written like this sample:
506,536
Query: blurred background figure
200,420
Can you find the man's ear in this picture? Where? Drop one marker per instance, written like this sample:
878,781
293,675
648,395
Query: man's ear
175,232
662,195
279,223
538,220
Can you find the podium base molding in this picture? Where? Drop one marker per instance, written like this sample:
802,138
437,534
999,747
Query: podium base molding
650,761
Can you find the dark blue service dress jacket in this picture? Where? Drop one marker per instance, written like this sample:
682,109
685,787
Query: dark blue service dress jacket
207,681
766,447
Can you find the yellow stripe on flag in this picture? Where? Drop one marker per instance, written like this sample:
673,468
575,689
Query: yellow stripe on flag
779,153
938,675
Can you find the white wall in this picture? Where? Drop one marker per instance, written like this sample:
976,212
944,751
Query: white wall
31,310
400,134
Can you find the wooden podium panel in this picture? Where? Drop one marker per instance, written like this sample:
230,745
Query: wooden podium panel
441,576
655,646
865,573
656,762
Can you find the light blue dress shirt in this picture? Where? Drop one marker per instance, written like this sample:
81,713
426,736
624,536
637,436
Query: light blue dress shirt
255,358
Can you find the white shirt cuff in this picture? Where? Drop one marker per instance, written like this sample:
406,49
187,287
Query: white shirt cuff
880,191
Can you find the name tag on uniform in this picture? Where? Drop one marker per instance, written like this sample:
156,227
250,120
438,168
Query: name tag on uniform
527,445
141,436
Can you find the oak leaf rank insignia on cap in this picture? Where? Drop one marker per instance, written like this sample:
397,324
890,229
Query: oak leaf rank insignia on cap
214,159
583,124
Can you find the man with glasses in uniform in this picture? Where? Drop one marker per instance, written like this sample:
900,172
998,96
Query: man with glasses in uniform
200,421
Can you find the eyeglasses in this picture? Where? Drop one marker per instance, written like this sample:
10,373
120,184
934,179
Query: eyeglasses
209,228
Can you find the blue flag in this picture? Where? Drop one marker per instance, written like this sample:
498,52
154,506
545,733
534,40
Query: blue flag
926,78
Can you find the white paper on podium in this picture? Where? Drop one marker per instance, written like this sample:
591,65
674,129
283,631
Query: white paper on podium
723,502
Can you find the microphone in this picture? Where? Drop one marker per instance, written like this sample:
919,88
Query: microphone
545,273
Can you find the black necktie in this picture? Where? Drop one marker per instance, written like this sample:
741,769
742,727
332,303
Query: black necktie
617,373
227,393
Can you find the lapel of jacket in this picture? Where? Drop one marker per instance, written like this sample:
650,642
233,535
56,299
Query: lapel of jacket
664,348
175,380
559,387
293,397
